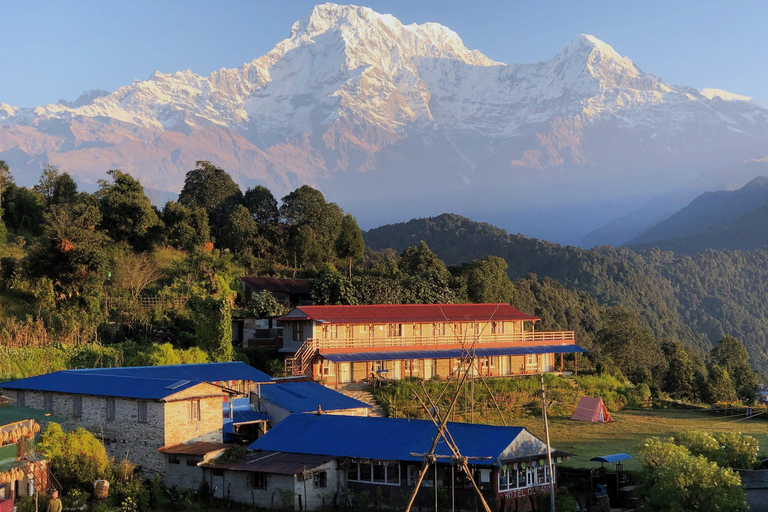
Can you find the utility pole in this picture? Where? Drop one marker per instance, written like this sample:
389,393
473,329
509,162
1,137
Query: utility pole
549,449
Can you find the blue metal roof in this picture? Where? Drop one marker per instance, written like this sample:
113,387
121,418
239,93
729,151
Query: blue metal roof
201,372
143,382
615,457
241,411
307,396
120,386
382,438
451,353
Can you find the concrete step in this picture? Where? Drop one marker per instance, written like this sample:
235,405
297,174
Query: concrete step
363,393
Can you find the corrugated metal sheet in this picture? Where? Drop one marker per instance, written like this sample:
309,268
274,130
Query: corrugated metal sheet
83,383
248,417
614,457
405,313
14,414
382,438
276,462
390,355
143,382
199,448
202,372
307,396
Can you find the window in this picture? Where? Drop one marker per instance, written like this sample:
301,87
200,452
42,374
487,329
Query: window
439,329
477,328
257,480
413,475
497,327
142,412
48,402
194,410
298,331
173,458
380,472
514,478
78,407
320,479
395,330
327,367
192,461
393,473
218,472
458,329
365,471
110,409
21,399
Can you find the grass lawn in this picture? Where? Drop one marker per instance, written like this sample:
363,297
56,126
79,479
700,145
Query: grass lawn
631,428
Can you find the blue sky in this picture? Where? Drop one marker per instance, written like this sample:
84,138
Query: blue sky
54,50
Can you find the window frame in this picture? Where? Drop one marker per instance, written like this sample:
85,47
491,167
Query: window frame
297,331
21,398
48,402
142,412
111,408
320,479
195,414
384,464
77,406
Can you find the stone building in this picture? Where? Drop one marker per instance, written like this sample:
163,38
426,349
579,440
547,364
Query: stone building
133,415
276,481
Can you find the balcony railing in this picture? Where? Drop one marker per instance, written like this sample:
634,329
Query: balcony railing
565,337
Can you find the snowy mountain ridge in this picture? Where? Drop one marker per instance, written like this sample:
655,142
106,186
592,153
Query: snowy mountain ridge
350,55
353,98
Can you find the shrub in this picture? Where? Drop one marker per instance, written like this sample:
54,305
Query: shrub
77,458
675,480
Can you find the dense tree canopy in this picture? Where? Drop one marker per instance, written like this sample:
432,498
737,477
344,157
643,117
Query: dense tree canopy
127,214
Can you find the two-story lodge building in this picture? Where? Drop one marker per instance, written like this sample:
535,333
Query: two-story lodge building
344,344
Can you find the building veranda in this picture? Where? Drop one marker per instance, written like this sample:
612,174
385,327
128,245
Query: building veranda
345,344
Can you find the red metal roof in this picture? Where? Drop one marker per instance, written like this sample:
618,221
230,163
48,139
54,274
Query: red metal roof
405,313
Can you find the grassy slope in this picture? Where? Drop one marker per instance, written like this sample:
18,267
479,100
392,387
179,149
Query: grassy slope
631,428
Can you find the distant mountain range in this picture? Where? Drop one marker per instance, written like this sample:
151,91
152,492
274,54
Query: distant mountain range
394,121
735,220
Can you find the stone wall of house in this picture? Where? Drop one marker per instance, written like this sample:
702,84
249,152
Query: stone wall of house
283,491
122,437
186,473
168,423
179,426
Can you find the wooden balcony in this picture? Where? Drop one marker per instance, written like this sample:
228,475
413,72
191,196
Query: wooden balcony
543,337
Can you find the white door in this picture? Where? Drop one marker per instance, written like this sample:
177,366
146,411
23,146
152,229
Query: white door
346,373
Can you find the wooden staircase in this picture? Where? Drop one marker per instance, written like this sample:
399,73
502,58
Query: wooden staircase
301,362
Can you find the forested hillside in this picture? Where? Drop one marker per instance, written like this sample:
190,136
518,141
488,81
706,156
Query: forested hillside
696,299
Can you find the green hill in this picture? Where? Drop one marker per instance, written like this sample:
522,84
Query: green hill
696,299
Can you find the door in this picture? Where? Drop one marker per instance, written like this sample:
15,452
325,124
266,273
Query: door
346,373
427,369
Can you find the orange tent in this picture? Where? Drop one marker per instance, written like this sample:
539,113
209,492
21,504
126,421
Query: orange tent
591,409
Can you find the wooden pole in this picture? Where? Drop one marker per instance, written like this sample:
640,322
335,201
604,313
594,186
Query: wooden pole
549,449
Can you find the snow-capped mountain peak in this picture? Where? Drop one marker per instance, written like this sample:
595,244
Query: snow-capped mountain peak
351,91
